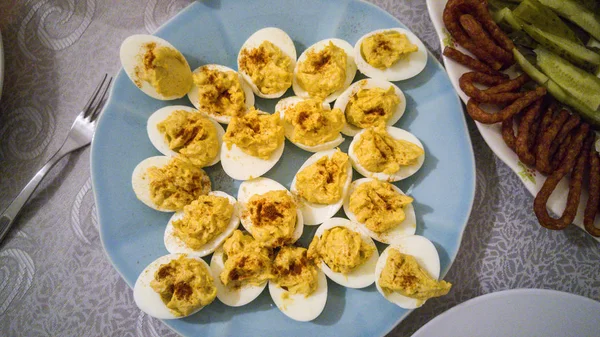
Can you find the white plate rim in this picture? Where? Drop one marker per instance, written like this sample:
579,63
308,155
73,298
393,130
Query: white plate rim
504,294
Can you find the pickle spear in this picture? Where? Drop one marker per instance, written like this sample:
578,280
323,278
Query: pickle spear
591,116
576,13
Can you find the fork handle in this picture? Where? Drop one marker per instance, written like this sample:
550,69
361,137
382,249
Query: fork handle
10,213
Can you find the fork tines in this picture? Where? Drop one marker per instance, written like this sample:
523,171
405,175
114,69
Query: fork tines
94,105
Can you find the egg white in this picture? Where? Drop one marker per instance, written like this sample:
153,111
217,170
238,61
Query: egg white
364,275
281,40
369,83
241,166
175,245
261,186
315,214
405,228
158,140
147,299
227,295
403,69
141,183
426,255
193,93
350,67
131,52
298,307
404,171
289,102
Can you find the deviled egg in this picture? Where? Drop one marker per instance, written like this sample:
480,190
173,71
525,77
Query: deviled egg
299,288
156,67
310,124
324,70
220,92
174,286
348,256
369,102
269,212
386,153
241,268
266,61
321,185
168,184
179,129
391,54
407,272
203,225
252,145
381,209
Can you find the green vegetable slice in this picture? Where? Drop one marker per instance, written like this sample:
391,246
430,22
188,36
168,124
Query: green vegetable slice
575,81
567,49
543,18
578,14
591,116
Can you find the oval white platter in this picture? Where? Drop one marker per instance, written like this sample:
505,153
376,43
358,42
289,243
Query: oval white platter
532,179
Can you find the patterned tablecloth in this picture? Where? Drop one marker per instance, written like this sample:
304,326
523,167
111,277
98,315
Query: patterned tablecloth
55,279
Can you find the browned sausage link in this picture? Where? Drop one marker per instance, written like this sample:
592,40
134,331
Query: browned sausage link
488,118
508,133
523,143
513,85
476,32
542,150
559,155
484,17
466,84
451,15
579,146
566,129
591,207
545,122
533,131
470,62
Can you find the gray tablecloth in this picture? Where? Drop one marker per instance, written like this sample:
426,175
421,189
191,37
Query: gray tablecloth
54,277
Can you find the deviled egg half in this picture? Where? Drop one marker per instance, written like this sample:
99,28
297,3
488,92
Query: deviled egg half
220,92
241,267
266,61
348,256
381,210
174,286
298,288
369,102
252,144
324,70
321,185
167,184
391,54
386,153
156,67
269,212
203,225
310,123
407,272
182,130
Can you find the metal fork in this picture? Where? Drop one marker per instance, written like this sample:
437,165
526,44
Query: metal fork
79,136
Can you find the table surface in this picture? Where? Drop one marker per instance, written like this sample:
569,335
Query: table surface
55,279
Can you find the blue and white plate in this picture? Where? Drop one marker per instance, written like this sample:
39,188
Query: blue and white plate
213,31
